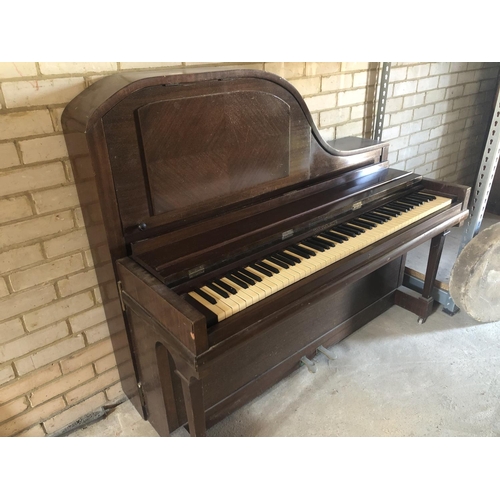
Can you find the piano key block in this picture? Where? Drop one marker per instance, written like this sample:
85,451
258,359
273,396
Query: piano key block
225,307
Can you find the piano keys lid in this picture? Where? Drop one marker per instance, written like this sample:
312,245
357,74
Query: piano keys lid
171,149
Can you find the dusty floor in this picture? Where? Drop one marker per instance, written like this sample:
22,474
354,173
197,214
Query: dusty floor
393,377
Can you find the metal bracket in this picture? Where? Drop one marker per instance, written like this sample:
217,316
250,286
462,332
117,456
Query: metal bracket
120,296
382,98
141,394
311,365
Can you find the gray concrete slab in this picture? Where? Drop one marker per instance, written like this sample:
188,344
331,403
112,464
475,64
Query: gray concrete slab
393,377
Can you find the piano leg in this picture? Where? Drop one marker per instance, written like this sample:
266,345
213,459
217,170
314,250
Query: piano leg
422,306
193,399
436,250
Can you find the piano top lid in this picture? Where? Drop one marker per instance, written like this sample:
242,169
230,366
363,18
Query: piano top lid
172,148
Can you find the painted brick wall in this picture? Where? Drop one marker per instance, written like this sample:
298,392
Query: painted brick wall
56,357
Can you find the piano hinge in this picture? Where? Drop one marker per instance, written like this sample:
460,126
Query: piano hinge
196,271
120,296
141,394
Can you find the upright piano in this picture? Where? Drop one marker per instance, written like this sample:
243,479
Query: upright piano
241,240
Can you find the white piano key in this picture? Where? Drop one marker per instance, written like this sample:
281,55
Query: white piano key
218,311
231,304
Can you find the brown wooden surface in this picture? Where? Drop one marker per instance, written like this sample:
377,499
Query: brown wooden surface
422,305
182,321
110,122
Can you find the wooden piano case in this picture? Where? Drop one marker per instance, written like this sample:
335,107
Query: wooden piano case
200,172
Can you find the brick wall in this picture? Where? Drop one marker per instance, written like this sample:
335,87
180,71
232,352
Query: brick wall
56,347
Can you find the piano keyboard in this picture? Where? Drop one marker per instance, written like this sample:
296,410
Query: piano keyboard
248,285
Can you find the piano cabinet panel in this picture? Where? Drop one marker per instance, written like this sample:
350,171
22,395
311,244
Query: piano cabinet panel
244,371
184,324
302,326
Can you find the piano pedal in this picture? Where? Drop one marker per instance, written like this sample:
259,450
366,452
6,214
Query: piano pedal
326,352
311,365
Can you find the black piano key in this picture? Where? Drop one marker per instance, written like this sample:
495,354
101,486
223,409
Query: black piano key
398,206
267,266
311,244
359,226
388,211
328,243
278,262
288,259
235,280
322,243
225,286
307,251
408,203
413,200
217,290
207,297
373,218
365,224
343,237
402,204
353,228
248,273
416,198
331,237
244,278
346,232
394,210
382,212
261,270
424,196
294,259
299,251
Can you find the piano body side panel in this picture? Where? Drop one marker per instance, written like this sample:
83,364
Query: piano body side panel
155,370
185,325
88,154
461,192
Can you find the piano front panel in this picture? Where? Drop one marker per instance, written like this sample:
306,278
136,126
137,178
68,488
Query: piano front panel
276,348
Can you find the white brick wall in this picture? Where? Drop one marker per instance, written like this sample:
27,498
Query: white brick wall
441,116
56,359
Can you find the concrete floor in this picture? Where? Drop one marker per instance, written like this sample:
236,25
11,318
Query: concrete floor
393,377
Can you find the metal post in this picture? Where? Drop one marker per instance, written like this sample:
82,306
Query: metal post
382,98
